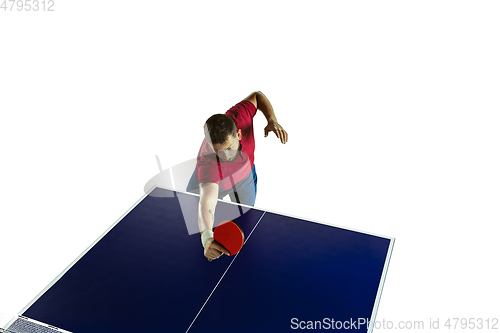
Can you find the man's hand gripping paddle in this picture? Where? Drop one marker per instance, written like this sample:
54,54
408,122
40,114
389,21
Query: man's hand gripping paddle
229,235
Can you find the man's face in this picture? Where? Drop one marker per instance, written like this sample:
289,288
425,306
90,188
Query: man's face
228,151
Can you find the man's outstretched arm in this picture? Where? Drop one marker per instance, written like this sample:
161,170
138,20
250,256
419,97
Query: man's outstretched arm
262,103
206,213
206,208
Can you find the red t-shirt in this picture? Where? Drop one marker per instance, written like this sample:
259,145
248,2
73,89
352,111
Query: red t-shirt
227,174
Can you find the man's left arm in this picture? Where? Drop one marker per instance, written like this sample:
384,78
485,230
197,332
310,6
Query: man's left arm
262,103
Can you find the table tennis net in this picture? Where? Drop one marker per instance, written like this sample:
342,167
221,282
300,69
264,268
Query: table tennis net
26,325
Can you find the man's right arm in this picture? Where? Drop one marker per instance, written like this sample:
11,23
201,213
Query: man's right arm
206,209
206,212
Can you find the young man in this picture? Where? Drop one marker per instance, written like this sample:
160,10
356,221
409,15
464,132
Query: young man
225,163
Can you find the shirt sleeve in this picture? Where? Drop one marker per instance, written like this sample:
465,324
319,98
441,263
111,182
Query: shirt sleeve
207,172
206,166
244,109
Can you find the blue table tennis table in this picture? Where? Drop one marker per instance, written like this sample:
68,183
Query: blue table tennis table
147,273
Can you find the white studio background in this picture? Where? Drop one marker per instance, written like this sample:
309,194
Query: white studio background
392,110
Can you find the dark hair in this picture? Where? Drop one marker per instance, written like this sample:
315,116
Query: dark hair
218,127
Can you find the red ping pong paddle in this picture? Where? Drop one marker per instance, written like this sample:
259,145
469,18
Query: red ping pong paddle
229,235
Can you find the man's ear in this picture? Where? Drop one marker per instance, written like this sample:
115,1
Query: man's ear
238,134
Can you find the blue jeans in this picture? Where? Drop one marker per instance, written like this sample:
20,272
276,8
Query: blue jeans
243,192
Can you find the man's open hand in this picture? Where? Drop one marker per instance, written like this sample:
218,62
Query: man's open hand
214,250
273,126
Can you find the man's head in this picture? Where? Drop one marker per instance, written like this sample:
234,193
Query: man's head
222,135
